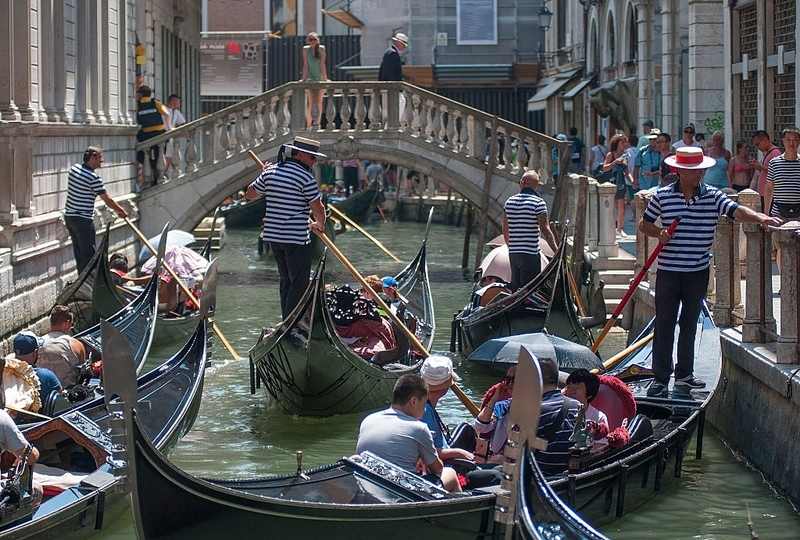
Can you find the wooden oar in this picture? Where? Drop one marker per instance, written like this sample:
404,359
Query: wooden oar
617,358
380,211
29,413
182,286
471,407
355,225
634,284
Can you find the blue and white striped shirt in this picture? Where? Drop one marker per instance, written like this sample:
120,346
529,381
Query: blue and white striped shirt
555,459
688,251
522,211
84,185
785,176
288,190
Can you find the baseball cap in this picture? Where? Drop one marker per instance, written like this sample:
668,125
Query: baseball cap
389,281
689,125
26,342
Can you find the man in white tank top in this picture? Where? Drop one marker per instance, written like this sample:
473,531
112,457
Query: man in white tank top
61,353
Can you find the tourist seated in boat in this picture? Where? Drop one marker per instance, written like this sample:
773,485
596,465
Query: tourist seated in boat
556,422
583,385
14,442
26,349
398,435
390,290
492,418
358,322
60,352
437,370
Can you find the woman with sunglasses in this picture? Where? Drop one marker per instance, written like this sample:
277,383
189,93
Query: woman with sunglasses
314,70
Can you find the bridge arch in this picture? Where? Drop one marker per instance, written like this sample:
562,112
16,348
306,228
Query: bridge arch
432,135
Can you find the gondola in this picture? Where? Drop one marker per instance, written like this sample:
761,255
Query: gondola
360,206
243,214
359,497
604,486
107,299
309,370
78,442
544,302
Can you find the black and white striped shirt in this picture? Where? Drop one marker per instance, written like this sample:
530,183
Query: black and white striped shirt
785,176
522,211
83,187
288,190
688,251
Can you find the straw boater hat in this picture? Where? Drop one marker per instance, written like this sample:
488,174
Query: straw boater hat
437,370
689,157
402,38
308,146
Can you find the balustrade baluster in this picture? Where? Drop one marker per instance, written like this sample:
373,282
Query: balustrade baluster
360,112
447,132
330,108
222,148
258,124
284,114
344,112
413,124
191,164
432,125
242,133
508,155
176,156
409,102
233,127
545,163
463,135
375,113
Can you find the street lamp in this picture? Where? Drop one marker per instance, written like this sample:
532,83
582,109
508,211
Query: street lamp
545,18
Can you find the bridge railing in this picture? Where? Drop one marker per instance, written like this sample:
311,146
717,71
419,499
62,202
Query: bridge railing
352,107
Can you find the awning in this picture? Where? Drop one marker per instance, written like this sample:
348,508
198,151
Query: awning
617,100
344,17
548,88
578,88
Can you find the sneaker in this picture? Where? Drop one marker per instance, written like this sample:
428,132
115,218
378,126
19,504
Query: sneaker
623,234
657,390
691,382
619,234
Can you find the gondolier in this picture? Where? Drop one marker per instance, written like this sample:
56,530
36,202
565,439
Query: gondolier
290,191
683,264
524,219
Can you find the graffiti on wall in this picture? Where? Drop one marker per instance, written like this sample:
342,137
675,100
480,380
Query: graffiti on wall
715,123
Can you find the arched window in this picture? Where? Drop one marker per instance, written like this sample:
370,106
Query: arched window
593,54
611,42
632,33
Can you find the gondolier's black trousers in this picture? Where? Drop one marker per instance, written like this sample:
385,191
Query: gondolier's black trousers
674,289
524,267
82,233
294,267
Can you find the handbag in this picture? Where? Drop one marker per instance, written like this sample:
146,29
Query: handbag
602,177
788,210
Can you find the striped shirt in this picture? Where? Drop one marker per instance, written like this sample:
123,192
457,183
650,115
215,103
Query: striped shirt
555,459
688,251
83,187
288,190
785,176
522,211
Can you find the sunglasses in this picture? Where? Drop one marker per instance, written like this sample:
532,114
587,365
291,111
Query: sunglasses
688,131
508,379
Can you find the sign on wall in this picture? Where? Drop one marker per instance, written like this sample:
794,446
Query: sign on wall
229,68
477,22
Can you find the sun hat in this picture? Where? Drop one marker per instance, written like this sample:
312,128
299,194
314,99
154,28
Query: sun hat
308,146
401,37
26,342
654,133
437,370
389,281
648,123
690,157
339,183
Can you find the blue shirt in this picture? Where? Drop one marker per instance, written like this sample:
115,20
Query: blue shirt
48,381
688,251
648,160
436,430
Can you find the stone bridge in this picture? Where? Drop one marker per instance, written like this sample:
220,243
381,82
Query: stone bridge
454,143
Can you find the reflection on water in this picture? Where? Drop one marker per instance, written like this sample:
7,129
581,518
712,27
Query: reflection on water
237,434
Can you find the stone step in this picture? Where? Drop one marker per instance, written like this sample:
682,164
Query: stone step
616,277
624,262
615,292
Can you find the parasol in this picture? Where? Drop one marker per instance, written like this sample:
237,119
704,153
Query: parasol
174,238
496,262
504,351
184,261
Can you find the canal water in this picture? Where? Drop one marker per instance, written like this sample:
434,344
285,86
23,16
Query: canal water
238,435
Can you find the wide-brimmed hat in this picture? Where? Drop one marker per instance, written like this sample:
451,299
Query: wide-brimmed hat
308,146
437,370
339,183
401,37
690,157
26,342
654,133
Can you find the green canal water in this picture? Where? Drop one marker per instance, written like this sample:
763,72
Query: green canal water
237,435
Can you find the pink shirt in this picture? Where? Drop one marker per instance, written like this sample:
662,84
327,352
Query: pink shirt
762,175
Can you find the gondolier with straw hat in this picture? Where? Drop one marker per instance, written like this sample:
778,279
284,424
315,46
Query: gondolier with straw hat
290,191
684,260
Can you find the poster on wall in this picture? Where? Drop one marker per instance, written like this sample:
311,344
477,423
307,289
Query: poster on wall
231,68
477,22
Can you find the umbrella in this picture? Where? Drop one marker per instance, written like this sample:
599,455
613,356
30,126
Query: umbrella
174,238
501,352
496,262
184,261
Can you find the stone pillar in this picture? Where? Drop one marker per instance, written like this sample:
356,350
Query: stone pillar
724,261
758,306
787,239
670,69
706,73
592,226
644,73
575,183
607,239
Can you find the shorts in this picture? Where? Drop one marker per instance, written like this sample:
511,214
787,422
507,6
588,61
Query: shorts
620,194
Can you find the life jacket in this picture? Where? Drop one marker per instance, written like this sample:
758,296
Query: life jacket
148,115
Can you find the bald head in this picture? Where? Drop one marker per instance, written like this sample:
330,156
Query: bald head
529,179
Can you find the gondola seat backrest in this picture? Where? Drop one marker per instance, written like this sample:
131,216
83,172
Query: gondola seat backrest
615,400
640,429
483,296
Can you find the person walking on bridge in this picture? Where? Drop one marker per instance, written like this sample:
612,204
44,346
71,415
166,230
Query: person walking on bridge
524,219
290,191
